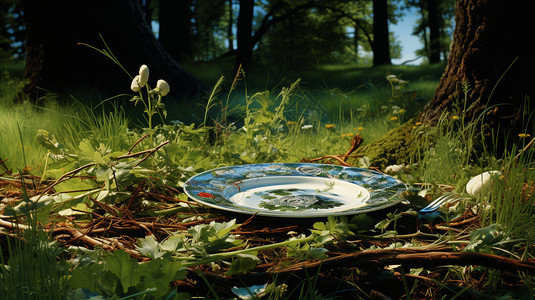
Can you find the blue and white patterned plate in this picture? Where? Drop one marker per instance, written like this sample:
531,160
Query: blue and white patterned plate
295,190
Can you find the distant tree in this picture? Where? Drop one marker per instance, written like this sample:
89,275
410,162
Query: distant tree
433,21
209,28
175,32
11,30
244,34
230,26
313,34
57,63
381,35
434,27
491,54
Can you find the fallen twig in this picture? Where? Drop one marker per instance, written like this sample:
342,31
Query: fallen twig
355,143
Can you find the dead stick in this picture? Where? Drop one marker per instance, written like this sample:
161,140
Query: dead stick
373,259
137,142
411,257
62,177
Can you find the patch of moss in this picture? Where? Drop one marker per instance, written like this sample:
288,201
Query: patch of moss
402,145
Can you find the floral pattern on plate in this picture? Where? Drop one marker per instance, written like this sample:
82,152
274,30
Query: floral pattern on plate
295,189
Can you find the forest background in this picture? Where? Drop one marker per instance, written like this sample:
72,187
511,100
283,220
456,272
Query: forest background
270,38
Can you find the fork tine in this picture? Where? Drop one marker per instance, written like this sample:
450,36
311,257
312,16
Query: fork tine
437,203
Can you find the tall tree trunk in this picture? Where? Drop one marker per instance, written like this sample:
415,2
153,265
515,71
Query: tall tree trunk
175,28
148,10
356,40
381,43
245,37
230,35
491,52
56,62
433,22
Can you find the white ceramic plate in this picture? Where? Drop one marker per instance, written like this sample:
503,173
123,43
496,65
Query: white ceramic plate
295,190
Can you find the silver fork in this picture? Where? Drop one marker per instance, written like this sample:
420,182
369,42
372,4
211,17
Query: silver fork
438,202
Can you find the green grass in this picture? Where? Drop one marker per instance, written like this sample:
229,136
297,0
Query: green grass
286,122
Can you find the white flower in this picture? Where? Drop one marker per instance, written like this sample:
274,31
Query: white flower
391,78
305,127
135,84
162,87
143,75
394,168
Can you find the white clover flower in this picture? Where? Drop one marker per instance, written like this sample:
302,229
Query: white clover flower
134,86
162,87
391,78
305,127
394,168
143,75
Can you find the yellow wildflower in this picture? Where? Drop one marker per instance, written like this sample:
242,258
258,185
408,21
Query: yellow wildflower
393,118
455,117
360,128
329,126
523,135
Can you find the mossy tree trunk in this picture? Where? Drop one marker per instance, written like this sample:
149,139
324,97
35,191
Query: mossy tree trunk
491,54
56,62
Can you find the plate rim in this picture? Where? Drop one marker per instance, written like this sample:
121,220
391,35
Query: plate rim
295,214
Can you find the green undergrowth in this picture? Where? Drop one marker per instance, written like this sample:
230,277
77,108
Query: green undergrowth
102,164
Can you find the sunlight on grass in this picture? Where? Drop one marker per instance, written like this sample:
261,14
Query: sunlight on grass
240,125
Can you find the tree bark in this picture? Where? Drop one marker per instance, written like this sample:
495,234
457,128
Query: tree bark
175,28
56,62
381,43
244,35
490,51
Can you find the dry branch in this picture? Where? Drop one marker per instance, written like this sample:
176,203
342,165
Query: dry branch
355,143
374,259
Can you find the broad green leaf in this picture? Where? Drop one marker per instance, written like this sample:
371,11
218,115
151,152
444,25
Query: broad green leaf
74,185
158,273
86,149
97,158
112,197
242,263
124,267
149,247
172,243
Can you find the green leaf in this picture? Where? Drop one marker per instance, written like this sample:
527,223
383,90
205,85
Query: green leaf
482,239
173,243
124,267
242,263
149,247
158,273
362,221
94,278
86,149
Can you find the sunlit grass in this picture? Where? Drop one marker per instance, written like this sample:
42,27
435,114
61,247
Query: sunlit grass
286,123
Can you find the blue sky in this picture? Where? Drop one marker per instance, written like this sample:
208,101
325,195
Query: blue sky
409,43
